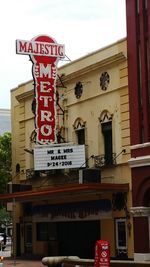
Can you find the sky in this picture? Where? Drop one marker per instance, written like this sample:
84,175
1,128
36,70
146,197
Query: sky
83,26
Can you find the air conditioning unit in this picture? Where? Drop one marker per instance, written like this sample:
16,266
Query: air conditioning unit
89,175
12,187
25,187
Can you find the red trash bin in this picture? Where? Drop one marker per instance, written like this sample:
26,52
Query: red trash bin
102,254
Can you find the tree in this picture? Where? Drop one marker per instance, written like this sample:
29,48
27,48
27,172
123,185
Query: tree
5,175
5,161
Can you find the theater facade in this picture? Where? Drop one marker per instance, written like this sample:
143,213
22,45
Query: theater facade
74,188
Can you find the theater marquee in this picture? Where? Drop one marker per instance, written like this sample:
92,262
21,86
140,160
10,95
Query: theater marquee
48,157
44,53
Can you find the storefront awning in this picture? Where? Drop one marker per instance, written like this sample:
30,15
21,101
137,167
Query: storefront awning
65,191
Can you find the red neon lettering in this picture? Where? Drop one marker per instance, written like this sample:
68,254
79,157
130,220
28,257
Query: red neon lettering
46,100
22,46
46,130
45,87
45,71
30,48
46,115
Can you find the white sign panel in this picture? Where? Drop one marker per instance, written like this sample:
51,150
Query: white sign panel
40,48
62,157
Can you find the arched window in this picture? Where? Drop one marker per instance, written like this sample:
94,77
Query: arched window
106,128
17,168
79,127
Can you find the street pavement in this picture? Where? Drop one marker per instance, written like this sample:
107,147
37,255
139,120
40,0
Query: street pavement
9,261
21,263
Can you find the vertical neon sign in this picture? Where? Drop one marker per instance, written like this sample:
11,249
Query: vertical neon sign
44,53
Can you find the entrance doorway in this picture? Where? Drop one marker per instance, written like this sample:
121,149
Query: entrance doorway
18,242
121,238
78,238
28,238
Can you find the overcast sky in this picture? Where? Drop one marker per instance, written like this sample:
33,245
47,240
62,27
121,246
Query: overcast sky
83,26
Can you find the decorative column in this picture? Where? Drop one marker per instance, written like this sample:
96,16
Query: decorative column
141,217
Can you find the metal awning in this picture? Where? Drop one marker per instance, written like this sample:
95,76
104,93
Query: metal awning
65,191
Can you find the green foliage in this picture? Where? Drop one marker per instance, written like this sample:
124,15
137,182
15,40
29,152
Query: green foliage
5,161
5,174
5,217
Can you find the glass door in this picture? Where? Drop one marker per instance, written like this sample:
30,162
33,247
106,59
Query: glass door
121,238
28,238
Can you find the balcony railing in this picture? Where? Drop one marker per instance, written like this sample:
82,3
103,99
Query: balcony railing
104,161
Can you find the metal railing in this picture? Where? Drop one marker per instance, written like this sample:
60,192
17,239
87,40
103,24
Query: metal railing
72,261
105,161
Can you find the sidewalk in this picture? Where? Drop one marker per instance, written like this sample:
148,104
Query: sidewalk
19,262
10,262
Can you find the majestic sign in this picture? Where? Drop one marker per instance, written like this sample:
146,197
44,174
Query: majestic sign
44,53
48,157
39,48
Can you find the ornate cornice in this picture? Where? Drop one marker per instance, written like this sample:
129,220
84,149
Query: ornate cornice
119,57
139,161
25,95
140,211
143,145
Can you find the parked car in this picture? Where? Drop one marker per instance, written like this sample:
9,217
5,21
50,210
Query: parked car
8,240
2,241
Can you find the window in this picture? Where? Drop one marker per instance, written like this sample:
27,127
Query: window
80,136
107,158
107,134
17,168
79,127
28,233
42,231
46,231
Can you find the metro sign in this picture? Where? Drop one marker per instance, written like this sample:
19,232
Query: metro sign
44,53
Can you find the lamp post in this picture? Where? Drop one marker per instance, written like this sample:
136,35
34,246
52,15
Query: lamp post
14,231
